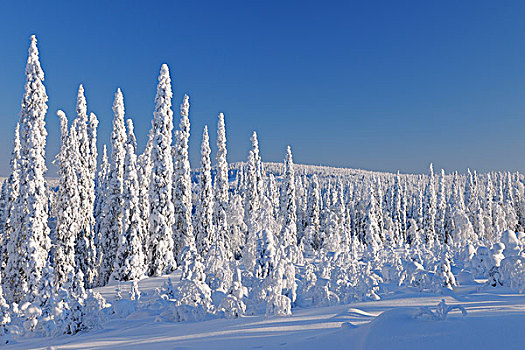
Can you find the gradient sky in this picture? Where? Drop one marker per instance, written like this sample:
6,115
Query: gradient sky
380,85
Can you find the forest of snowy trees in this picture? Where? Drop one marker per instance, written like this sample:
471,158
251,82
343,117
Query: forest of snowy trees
247,238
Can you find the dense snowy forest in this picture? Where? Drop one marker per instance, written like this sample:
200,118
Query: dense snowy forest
248,238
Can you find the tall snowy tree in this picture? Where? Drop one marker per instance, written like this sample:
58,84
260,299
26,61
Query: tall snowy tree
143,176
313,209
429,211
68,203
396,209
204,230
371,235
254,181
161,218
12,187
100,202
11,242
441,207
221,186
112,208
182,229
129,263
289,206
85,170
31,225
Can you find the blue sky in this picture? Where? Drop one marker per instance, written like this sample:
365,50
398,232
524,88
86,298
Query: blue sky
380,85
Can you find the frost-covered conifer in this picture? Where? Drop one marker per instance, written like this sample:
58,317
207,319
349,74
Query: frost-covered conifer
221,185
204,230
289,206
273,195
129,262
31,228
100,202
85,167
112,209
264,252
429,210
253,182
143,176
371,228
441,204
313,209
161,218
182,229
11,242
252,205
5,314
396,209
68,203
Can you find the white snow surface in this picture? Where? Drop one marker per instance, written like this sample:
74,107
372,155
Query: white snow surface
495,320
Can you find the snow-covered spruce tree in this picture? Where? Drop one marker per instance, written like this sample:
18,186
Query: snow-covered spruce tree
161,215
273,195
67,203
220,218
519,207
429,211
371,227
85,168
143,175
182,229
204,230
441,204
31,228
264,252
5,314
311,235
288,204
112,209
129,262
10,243
218,271
252,205
253,179
100,202
396,210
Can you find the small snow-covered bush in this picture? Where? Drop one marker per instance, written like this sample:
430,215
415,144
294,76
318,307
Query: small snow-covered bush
440,312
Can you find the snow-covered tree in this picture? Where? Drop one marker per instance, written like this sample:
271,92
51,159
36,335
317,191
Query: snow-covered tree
30,227
221,186
112,209
441,207
204,228
429,211
68,202
313,209
129,262
264,252
289,206
161,218
396,210
143,176
254,181
371,227
10,242
85,168
100,202
182,229
5,314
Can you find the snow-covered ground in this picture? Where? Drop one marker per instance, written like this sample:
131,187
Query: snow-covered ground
495,319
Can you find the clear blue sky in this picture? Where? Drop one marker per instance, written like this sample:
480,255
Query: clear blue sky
381,85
